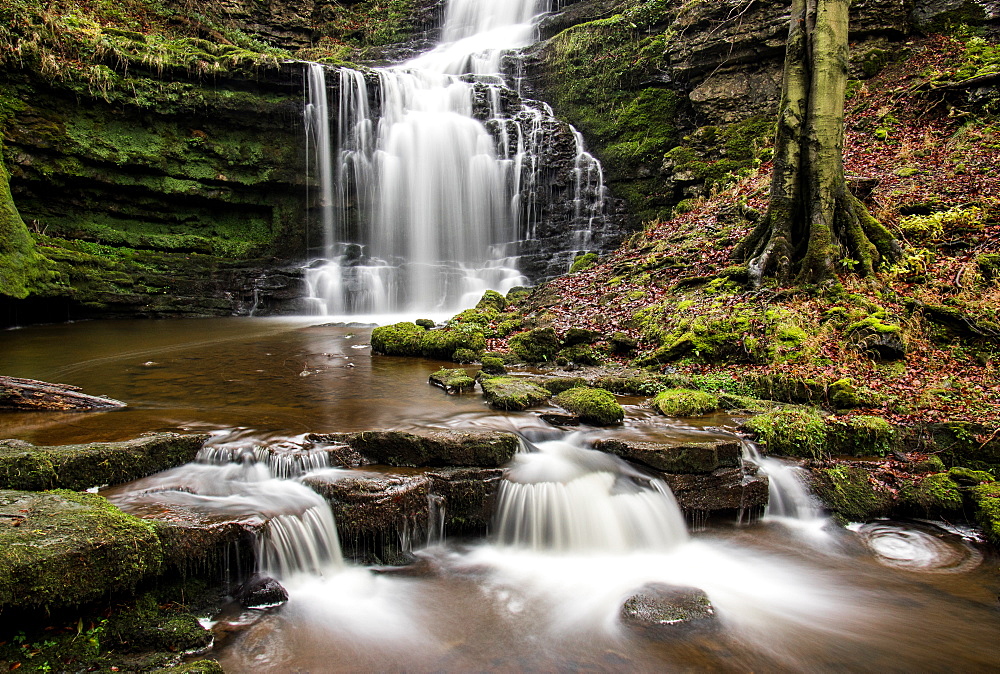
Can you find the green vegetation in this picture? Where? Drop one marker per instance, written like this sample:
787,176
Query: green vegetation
583,262
849,494
861,436
535,346
987,501
512,393
592,405
453,381
681,402
791,432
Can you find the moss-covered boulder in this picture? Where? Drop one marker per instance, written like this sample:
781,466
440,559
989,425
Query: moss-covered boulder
442,344
986,498
680,457
861,435
592,405
791,432
681,402
78,467
556,385
959,443
491,299
148,626
512,393
398,339
850,494
576,336
452,380
934,495
61,549
581,354
967,477
493,365
536,346
430,448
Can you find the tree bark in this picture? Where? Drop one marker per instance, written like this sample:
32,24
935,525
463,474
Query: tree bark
31,394
813,221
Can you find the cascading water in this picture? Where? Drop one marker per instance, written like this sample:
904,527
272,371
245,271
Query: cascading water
564,498
788,497
435,175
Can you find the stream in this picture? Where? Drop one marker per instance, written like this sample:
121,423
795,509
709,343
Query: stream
576,532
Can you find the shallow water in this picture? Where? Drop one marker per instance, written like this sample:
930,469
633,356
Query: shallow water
884,596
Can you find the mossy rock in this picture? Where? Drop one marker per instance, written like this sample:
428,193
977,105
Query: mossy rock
861,436
464,356
683,402
622,344
425,323
849,493
582,354
932,464
491,299
535,346
680,458
843,395
148,627
935,495
986,498
733,402
786,389
970,478
961,443
989,267
197,667
399,339
512,393
442,344
493,365
452,381
592,405
79,467
575,336
581,262
69,549
556,385
642,383
791,432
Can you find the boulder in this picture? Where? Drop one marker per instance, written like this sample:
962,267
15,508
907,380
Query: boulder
660,605
682,457
452,380
78,467
592,405
722,489
535,346
61,549
261,592
469,497
430,448
512,393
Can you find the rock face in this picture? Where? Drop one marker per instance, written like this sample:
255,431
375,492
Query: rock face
722,489
430,448
469,498
25,466
683,457
65,549
659,606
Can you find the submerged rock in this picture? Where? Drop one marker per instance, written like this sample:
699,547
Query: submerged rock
661,605
78,467
430,448
60,549
261,592
682,457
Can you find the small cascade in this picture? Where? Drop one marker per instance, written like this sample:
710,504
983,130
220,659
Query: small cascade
282,461
564,498
304,542
435,519
439,173
788,497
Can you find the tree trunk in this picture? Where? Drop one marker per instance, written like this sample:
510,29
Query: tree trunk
813,221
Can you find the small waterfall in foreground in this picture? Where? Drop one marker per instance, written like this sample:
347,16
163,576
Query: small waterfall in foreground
788,496
564,498
436,172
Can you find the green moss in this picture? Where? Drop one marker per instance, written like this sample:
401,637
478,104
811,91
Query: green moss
442,344
70,549
464,356
582,354
680,402
861,436
937,494
491,299
932,464
970,478
399,339
493,365
592,405
556,385
989,267
20,261
849,493
148,627
792,432
582,262
453,380
535,346
843,394
987,501
512,393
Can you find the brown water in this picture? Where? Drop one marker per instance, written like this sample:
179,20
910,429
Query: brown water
789,598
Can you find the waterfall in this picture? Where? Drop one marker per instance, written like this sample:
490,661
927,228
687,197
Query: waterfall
564,498
788,496
436,174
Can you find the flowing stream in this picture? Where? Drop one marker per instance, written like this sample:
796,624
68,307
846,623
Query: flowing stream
434,172
575,533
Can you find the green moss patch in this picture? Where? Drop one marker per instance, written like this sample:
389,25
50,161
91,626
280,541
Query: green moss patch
431,448
512,393
850,494
987,501
453,381
791,432
410,339
592,405
681,402
535,346
861,436
60,549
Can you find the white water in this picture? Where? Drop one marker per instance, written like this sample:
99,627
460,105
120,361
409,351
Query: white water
423,202
788,498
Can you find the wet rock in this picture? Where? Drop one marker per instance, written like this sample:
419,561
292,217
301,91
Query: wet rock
560,419
512,393
377,515
61,549
661,605
469,497
149,627
592,405
682,457
196,545
535,346
453,380
261,592
30,394
78,467
430,448
722,489
849,493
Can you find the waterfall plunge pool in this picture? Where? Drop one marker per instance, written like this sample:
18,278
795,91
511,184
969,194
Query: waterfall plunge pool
861,599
